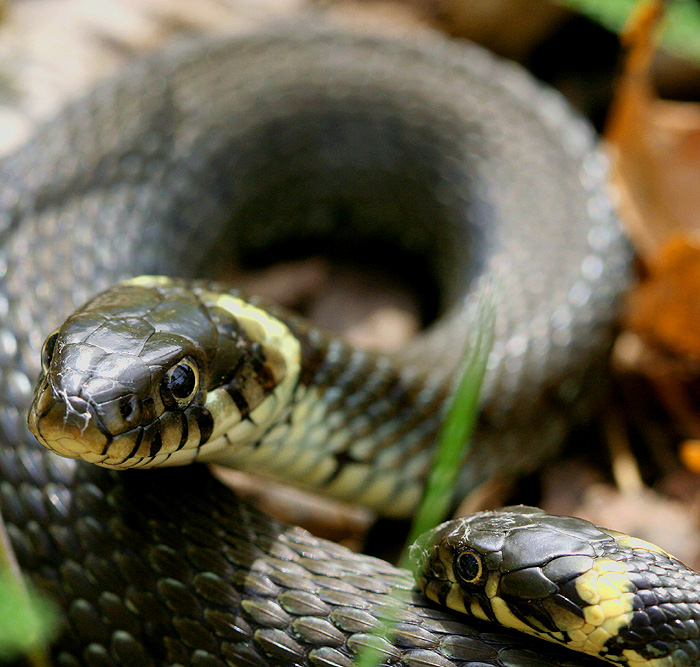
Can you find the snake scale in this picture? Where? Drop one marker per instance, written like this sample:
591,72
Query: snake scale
299,136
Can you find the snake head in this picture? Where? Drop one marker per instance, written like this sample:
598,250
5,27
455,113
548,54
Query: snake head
144,373
564,580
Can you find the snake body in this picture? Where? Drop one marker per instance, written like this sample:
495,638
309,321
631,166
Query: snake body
299,134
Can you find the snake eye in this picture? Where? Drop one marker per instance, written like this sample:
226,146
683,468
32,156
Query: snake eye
180,384
47,351
468,567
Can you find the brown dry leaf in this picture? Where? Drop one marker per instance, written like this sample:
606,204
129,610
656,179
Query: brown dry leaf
655,146
324,517
646,515
509,27
662,338
664,309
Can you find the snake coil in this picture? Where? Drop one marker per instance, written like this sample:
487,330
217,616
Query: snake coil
298,136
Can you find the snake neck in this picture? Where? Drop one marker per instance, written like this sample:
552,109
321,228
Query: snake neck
349,422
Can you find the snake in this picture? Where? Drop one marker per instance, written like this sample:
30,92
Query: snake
290,137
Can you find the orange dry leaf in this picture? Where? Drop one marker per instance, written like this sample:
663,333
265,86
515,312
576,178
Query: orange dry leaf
689,454
664,309
655,146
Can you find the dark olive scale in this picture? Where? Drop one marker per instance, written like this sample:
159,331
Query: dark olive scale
303,134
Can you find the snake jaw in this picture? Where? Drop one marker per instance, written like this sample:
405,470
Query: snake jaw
118,433
73,427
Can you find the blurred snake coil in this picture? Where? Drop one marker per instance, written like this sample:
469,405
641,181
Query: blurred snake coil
433,154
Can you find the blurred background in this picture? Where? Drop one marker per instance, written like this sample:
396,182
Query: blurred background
52,49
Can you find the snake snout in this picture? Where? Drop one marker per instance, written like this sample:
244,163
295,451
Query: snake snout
67,424
427,567
76,413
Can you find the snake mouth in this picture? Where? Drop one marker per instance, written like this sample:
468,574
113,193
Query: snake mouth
71,426
68,426
431,571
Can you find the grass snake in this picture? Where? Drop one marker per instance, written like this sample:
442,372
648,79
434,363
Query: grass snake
291,137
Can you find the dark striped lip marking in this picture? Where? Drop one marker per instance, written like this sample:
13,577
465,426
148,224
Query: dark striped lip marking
262,368
185,431
205,421
157,442
137,444
237,396
251,376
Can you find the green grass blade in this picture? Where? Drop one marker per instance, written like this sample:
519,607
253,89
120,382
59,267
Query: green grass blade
27,621
681,26
452,447
454,439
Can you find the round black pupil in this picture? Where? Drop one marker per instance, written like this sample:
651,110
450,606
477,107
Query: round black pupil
468,566
182,381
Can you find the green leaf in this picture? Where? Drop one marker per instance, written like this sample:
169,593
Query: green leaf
681,26
27,621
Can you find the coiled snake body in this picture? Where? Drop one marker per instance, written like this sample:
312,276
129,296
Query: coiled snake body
300,134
